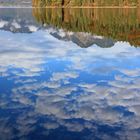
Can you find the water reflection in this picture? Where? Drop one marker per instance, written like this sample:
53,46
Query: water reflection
18,20
119,24
53,89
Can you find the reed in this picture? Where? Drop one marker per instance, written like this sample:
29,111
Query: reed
72,3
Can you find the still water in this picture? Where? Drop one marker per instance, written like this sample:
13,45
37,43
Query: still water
69,74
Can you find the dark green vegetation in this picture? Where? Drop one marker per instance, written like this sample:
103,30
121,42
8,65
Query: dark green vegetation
119,24
86,2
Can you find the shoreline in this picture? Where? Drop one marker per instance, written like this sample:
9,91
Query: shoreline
73,7
94,7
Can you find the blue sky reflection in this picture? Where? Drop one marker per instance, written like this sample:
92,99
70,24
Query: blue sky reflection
51,87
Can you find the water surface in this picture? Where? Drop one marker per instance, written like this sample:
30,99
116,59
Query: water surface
69,75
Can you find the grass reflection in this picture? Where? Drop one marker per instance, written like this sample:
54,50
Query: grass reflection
119,24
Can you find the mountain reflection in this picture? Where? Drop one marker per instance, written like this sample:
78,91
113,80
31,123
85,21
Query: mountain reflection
119,24
51,89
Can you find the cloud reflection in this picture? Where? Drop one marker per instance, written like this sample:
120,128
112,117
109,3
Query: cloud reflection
55,85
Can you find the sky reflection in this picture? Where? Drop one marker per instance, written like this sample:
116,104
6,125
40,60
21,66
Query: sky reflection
54,89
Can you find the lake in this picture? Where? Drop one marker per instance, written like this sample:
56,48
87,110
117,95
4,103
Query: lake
69,74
